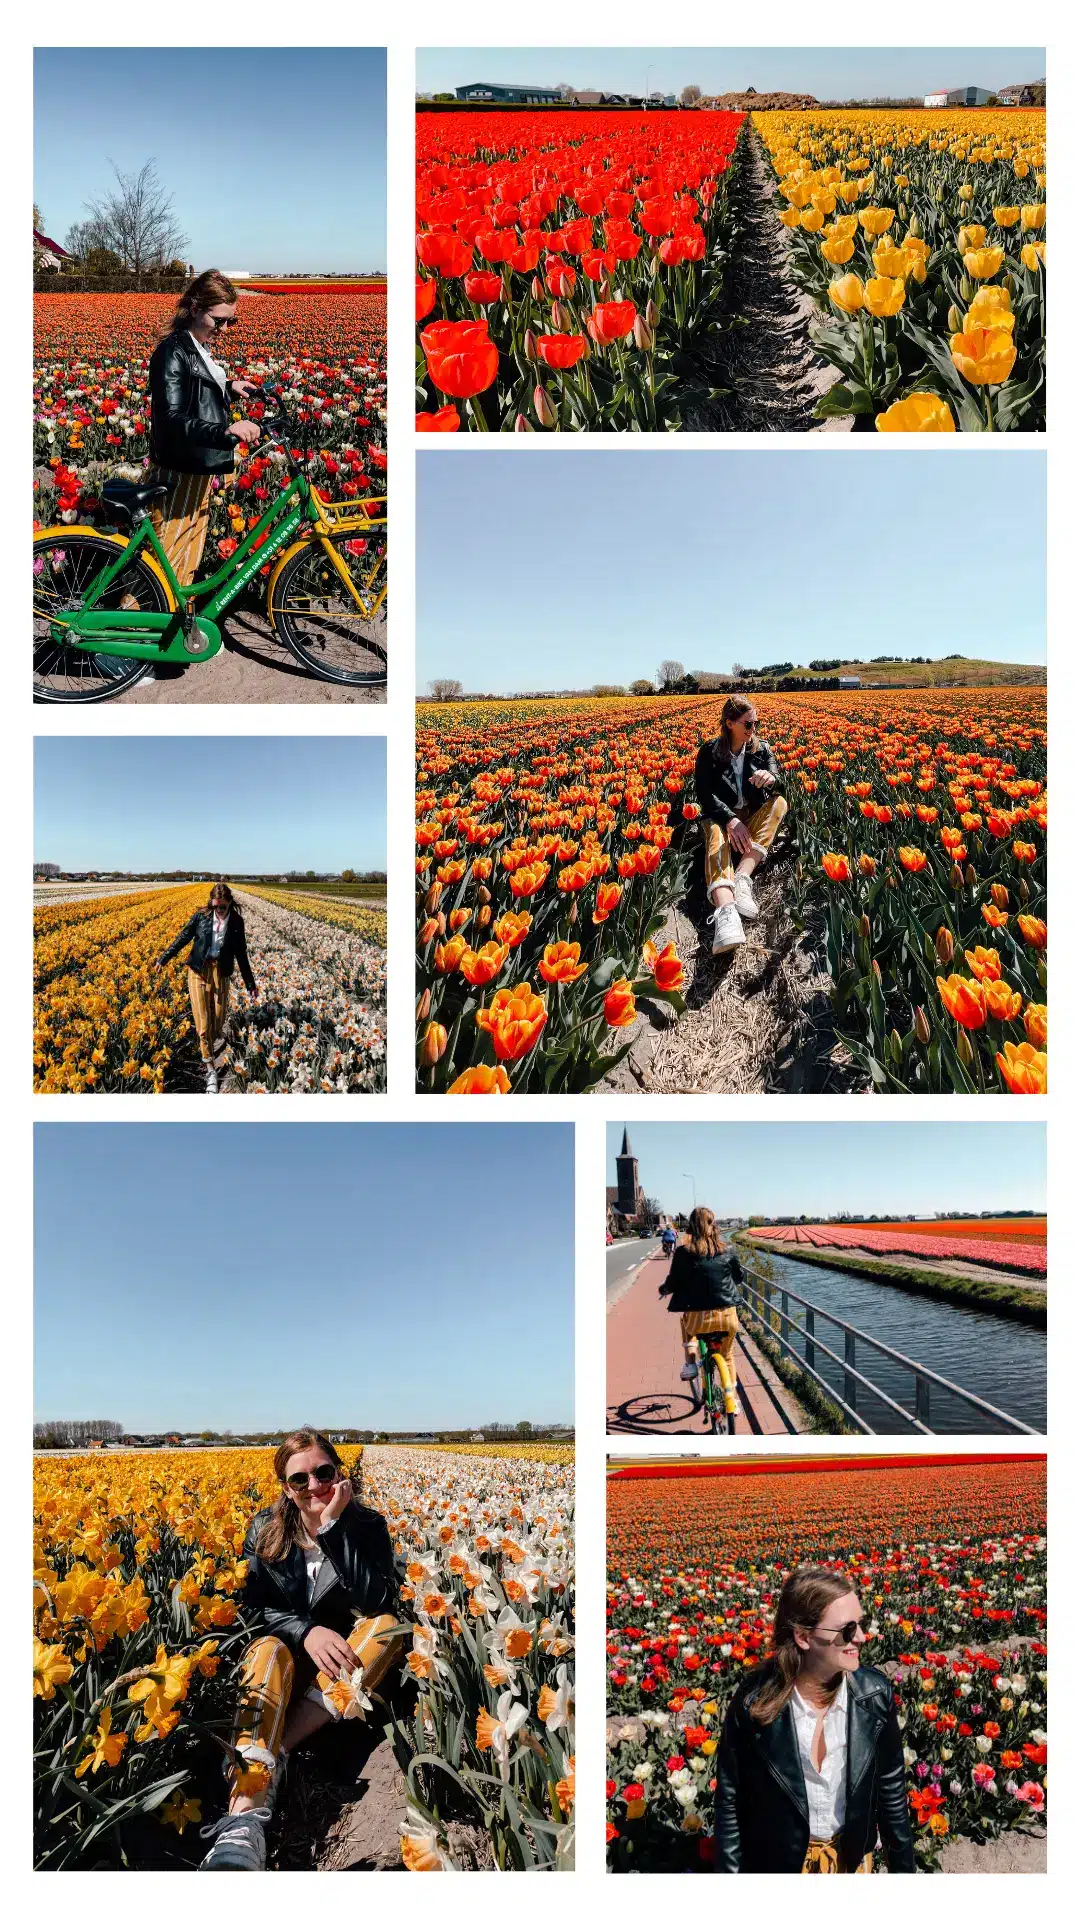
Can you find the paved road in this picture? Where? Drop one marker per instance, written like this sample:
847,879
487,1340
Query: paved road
624,1260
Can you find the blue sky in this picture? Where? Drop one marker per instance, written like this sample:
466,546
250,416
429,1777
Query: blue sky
889,1167
275,156
589,565
239,1276
220,805
827,72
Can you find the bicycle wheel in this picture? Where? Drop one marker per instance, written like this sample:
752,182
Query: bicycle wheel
317,618
714,1408
65,565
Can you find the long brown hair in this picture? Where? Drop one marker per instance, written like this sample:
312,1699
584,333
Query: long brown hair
805,1596
209,289
734,707
222,891
282,1529
703,1234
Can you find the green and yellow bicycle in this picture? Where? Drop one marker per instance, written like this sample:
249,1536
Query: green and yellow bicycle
108,605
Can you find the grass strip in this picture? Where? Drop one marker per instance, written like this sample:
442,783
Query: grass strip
989,1296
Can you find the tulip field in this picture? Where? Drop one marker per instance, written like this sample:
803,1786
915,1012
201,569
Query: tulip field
921,237
949,1556
554,835
325,347
575,266
931,1241
105,1021
138,1591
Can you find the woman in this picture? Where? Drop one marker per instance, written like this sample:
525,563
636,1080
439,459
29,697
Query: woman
191,435
320,1585
218,942
810,1769
738,790
704,1282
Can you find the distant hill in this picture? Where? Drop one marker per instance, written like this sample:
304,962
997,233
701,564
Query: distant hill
940,673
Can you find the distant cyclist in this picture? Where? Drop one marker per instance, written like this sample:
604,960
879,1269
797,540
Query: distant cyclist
704,1284
669,1239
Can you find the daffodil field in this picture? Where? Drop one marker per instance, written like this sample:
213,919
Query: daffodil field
574,267
553,836
324,346
138,1589
921,237
106,1021
949,1557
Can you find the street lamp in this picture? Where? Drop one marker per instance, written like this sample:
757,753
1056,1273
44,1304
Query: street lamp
693,1187
648,75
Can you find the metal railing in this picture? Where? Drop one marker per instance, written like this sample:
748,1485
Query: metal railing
759,1307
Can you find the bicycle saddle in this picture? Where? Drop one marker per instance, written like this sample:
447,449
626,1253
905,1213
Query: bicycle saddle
131,497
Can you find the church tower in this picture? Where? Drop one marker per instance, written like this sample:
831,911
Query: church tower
626,1174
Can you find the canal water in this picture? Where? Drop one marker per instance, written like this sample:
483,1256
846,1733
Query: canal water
1002,1361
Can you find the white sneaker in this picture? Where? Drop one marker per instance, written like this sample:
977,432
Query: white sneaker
727,930
239,1843
211,1080
689,1371
745,905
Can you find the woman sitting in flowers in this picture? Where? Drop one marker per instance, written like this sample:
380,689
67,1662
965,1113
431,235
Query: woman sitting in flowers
738,790
810,1768
704,1282
320,1584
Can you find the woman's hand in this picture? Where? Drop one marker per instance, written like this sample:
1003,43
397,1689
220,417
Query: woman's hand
762,778
245,430
738,835
159,966
337,1502
243,386
331,1653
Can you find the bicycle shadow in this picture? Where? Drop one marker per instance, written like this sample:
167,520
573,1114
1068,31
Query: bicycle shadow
655,1413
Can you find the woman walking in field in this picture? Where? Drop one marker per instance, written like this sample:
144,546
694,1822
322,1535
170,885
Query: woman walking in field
218,941
320,1587
810,1768
704,1283
192,437
738,789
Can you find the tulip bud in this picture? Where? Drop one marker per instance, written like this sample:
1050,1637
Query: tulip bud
964,1048
1024,891
558,317
915,227
967,288
428,931
483,918
652,314
423,1005
643,335
971,878
957,880
506,298
433,1044
433,896
440,922
521,425
483,894
896,1048
876,971
1042,975
545,412
864,927
460,918
944,946
537,288
1000,896
531,352
956,320
1008,281
922,1028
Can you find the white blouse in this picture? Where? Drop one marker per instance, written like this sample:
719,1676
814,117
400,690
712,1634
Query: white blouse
826,1792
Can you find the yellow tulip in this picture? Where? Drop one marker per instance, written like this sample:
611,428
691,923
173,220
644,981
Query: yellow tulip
984,356
983,262
811,220
838,252
1006,216
790,217
883,297
1033,254
919,413
969,237
1032,218
846,293
876,220
891,261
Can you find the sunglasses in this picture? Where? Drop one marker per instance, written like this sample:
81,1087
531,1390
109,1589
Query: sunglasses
846,1634
748,724
216,322
322,1475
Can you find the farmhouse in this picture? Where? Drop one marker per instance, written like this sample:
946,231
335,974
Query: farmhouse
48,254
526,96
958,97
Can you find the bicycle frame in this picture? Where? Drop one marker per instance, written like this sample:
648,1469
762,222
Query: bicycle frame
169,636
714,1368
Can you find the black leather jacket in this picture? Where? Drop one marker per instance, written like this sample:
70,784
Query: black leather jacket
200,932
188,411
717,791
698,1282
358,1576
762,1820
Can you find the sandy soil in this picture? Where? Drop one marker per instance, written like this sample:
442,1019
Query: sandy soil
253,668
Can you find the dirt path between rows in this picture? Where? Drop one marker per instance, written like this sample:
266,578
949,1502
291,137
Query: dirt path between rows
773,375
253,668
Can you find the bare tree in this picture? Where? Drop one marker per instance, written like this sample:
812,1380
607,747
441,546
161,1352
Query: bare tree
137,220
445,689
689,96
668,674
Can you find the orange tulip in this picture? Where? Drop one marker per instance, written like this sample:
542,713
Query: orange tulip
666,967
912,859
448,954
515,1020
1032,930
1024,852
560,962
1022,1068
433,1044
529,879
607,899
1035,1023
964,999
994,917
510,928
620,1007
1001,1002
867,865
985,964
481,1080
835,866
481,967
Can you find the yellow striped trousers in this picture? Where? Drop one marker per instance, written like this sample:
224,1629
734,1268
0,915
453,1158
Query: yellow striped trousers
182,520
268,1671
209,996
